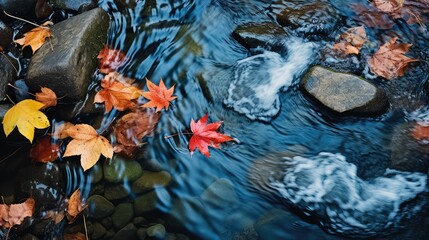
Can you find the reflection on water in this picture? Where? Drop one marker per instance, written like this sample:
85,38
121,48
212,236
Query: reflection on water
189,44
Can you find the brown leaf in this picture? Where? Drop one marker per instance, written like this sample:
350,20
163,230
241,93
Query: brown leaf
75,206
56,216
420,132
389,6
36,37
47,97
88,144
132,128
16,213
389,61
117,92
60,130
45,150
75,236
4,215
352,40
110,59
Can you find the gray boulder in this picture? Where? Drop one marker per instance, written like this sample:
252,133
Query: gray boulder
73,5
7,75
68,68
344,93
252,35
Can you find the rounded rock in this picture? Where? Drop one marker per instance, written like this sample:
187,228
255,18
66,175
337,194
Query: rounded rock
150,180
122,215
99,207
156,231
120,170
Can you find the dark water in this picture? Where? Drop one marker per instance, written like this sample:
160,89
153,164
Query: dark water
189,44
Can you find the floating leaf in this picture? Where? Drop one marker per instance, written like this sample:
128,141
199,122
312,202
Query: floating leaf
389,6
45,150
352,40
16,213
110,59
36,37
420,132
75,206
159,96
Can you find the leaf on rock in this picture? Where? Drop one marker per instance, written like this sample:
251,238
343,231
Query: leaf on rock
88,144
159,96
36,37
352,40
75,236
110,59
117,92
47,97
389,61
16,213
26,116
75,206
420,132
132,128
205,135
388,6
45,150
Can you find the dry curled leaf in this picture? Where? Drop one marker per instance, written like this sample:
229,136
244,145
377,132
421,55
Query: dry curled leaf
117,92
159,96
47,97
352,40
88,144
56,216
110,59
389,61
388,6
16,213
75,206
36,37
45,150
132,128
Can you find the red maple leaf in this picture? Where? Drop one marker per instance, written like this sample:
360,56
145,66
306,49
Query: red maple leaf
205,135
110,59
159,96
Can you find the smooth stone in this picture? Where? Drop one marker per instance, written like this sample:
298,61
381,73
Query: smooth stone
99,207
6,34
29,236
156,231
220,193
344,93
252,35
98,231
110,234
19,8
7,75
45,229
116,192
119,170
150,164
96,173
140,221
122,215
145,202
142,233
107,222
150,180
73,5
69,67
127,232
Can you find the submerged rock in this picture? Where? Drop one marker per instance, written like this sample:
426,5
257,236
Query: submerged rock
68,67
156,231
127,232
221,193
119,170
99,207
266,34
150,180
116,191
122,215
344,93
98,231
73,5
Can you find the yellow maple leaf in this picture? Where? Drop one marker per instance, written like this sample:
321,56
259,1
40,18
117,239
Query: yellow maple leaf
36,37
26,116
88,144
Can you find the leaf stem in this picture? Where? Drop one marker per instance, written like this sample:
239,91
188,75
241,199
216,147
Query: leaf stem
7,14
84,225
177,134
19,89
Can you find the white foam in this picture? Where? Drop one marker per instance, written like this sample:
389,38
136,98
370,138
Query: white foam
258,79
327,187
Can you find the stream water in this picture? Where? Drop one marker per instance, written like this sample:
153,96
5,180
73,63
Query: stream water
294,171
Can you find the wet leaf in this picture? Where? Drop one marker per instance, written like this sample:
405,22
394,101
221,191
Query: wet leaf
110,59
389,61
88,144
205,135
36,37
388,6
56,216
47,97
26,116
75,206
75,236
159,96
45,150
132,128
420,132
352,40
16,213
117,92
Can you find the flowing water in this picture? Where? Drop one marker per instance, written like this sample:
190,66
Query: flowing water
294,172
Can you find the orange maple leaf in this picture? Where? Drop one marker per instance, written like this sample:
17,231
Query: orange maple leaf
159,96
36,37
117,92
110,59
389,61
16,213
352,40
205,135
75,206
47,97
420,132
87,143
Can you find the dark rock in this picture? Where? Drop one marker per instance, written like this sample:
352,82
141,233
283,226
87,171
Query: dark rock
110,234
99,207
19,8
252,35
122,215
6,35
150,164
96,173
150,180
145,203
73,5
156,231
44,229
29,236
220,193
142,233
140,221
119,170
7,75
107,222
344,93
43,182
311,19
98,231
68,68
127,232
116,192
